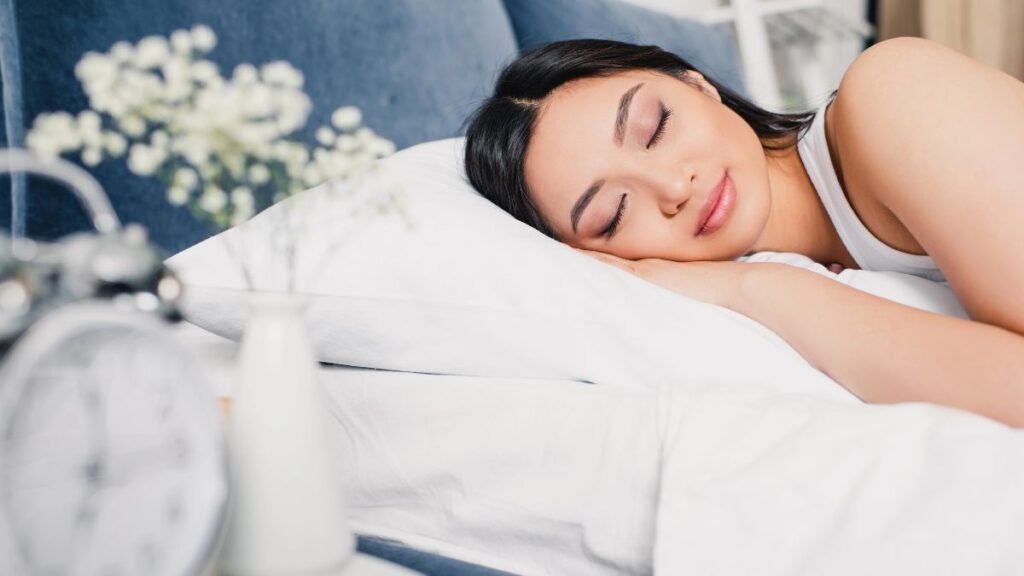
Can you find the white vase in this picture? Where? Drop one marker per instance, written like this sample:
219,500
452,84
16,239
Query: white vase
287,512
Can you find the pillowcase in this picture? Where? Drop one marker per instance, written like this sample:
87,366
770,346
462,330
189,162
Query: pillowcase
469,290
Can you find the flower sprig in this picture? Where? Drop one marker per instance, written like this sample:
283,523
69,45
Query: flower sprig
225,147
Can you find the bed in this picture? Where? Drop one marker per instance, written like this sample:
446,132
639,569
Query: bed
548,476
514,404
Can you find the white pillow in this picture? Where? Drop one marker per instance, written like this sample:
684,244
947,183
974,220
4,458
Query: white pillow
470,290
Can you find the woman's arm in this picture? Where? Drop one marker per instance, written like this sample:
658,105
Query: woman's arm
883,351
880,350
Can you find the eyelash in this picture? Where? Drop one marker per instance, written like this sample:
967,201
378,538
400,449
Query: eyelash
618,216
665,113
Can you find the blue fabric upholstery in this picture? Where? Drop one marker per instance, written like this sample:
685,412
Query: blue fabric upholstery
424,562
414,68
711,50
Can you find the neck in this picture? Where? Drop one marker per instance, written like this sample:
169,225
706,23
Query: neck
798,221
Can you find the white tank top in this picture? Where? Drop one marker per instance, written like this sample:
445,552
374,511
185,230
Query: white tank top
869,252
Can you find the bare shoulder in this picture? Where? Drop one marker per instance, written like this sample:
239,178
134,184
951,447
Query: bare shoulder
898,93
937,138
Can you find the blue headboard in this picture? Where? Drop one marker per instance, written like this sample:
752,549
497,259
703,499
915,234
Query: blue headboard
415,68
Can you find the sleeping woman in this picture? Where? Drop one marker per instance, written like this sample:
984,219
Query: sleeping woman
914,164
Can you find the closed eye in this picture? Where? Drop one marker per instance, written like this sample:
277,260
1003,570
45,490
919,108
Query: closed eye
610,230
665,113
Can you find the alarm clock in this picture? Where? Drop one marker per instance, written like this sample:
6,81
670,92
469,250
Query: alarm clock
112,457
112,261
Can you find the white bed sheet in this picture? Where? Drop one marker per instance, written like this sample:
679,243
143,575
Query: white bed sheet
563,477
531,476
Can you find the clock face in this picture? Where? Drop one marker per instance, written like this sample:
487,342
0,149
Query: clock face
111,455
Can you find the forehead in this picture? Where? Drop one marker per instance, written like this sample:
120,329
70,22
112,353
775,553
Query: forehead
588,101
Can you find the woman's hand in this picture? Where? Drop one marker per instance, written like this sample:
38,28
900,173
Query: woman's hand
711,282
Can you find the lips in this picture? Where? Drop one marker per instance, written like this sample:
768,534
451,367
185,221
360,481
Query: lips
710,204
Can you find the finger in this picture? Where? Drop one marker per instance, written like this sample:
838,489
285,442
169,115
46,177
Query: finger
614,261
601,255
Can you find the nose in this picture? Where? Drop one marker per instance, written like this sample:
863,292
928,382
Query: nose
673,187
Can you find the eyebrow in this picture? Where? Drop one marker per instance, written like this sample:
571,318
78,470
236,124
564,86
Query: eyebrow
617,138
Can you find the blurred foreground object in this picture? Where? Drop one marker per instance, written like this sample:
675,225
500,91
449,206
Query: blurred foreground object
112,460
112,262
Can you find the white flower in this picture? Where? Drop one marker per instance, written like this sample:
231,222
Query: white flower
203,38
137,89
257,101
242,197
42,145
132,126
195,149
205,71
293,111
242,212
234,162
128,91
207,171
151,52
295,157
114,143
255,135
89,121
176,77
282,73
259,174
213,199
181,41
240,216
122,52
334,165
325,136
346,143
281,150
186,178
311,175
159,139
54,134
90,131
244,74
96,70
346,118
177,195
91,156
382,147
364,135
143,160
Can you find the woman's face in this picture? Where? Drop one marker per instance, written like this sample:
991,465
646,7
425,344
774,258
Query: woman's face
665,184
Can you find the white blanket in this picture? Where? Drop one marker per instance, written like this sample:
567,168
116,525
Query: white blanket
792,485
560,477
551,477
